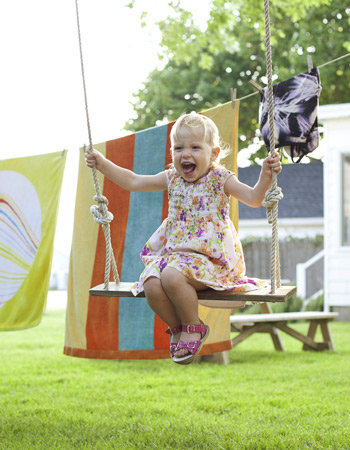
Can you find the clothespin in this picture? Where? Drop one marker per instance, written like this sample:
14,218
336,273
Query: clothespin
256,86
310,64
233,96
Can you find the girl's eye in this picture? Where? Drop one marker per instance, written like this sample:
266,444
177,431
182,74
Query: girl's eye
177,149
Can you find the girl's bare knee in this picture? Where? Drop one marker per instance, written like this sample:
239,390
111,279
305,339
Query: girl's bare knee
171,278
152,286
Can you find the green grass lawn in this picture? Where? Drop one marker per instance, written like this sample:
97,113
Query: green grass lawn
262,400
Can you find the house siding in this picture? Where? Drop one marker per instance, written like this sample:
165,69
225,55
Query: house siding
294,227
337,256
300,212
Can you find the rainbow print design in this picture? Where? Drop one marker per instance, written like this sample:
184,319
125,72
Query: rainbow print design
20,231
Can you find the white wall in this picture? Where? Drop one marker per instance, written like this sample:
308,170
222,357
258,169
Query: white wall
336,119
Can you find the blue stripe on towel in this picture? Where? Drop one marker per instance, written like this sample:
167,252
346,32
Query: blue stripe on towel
136,319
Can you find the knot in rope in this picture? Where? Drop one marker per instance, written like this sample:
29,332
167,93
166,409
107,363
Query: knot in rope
272,197
100,211
101,200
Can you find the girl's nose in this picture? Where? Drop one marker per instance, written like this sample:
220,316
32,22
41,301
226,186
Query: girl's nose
186,151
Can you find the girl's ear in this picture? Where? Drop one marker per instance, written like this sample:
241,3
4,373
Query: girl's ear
215,153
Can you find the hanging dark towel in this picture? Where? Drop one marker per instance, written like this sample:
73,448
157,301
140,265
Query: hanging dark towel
295,114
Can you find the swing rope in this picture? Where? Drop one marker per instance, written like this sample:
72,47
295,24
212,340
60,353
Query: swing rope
274,194
100,212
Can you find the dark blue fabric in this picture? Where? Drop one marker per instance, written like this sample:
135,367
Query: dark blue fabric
295,114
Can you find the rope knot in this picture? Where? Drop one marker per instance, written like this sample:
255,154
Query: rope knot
272,197
100,211
101,199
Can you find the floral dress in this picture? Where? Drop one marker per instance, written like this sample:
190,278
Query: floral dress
198,237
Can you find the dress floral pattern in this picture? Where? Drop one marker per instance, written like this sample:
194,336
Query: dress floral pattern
198,237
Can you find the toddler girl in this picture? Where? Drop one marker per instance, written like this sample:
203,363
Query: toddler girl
197,246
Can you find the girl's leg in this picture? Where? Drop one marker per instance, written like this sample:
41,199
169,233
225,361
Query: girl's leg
182,292
161,305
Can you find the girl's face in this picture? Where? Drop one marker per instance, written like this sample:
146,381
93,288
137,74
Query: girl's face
192,155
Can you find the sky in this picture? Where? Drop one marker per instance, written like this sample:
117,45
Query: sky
42,105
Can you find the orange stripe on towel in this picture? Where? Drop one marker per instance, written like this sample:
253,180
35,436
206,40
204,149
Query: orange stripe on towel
102,319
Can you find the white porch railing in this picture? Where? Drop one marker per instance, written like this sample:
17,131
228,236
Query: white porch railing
301,276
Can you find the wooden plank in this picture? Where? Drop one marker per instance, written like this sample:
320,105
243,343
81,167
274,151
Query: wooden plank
121,289
265,308
223,304
259,328
311,332
305,339
327,337
282,317
245,334
259,295
263,327
276,340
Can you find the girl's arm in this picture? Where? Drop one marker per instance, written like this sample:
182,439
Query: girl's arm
253,196
125,178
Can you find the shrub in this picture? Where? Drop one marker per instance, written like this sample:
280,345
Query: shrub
292,305
316,304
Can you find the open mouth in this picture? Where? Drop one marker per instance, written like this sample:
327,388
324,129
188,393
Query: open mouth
188,168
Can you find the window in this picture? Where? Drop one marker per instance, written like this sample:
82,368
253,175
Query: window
346,201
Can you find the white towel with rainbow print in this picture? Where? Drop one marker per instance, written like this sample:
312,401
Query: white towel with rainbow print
29,196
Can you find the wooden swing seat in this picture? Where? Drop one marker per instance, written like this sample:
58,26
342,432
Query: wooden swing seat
209,298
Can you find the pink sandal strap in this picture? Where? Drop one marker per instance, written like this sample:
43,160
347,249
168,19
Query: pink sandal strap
174,330
195,328
172,349
190,346
173,345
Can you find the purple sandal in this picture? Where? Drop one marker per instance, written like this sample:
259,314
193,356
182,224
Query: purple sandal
193,347
173,331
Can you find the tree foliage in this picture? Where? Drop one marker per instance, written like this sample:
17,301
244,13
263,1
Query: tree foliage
202,66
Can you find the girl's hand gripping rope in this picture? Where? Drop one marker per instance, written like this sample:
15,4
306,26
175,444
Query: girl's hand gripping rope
94,158
272,163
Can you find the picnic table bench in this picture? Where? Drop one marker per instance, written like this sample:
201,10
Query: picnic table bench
268,322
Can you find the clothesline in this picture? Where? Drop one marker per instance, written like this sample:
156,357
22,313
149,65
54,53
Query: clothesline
322,65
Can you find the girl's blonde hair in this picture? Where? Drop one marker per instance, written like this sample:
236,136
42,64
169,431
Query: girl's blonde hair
207,126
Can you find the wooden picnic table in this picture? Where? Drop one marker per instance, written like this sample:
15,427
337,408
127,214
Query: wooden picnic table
269,322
